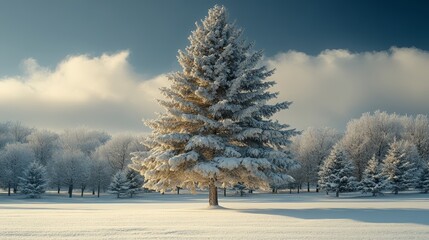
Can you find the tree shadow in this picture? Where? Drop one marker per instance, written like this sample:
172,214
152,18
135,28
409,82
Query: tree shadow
369,215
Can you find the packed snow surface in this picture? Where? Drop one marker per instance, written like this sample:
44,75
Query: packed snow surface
186,216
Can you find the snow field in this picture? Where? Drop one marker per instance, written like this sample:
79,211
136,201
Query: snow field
256,216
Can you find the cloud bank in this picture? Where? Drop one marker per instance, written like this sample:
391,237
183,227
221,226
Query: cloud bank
329,89
335,86
97,92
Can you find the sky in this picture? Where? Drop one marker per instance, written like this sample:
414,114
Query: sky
99,64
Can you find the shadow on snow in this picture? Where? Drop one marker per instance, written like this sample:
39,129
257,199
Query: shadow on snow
387,215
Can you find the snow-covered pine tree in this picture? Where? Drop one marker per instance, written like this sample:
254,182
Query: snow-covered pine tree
135,180
120,184
423,182
400,166
373,180
336,173
33,183
217,129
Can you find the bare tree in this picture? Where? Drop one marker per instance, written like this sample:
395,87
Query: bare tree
118,151
76,147
310,150
83,139
19,132
417,132
371,135
5,134
43,143
100,173
74,168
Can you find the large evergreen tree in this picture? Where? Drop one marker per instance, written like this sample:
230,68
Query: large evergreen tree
217,129
400,166
373,180
336,173
34,181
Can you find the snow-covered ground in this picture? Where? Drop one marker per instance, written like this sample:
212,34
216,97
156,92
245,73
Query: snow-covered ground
256,216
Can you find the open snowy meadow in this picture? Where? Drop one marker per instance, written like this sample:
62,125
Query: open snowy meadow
186,216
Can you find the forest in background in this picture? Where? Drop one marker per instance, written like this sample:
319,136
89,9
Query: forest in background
88,160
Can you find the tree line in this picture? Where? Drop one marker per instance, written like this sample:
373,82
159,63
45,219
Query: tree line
377,152
73,159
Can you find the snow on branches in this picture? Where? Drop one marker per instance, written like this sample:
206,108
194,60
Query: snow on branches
216,128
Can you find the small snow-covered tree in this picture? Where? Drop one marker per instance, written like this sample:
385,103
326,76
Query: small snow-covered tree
217,129
373,180
33,183
400,166
423,182
120,185
336,173
135,180
14,159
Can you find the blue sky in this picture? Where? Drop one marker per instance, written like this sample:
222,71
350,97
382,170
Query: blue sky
98,63
153,30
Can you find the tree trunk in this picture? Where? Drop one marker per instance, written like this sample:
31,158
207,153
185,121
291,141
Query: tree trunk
317,188
81,191
58,188
70,190
93,191
213,200
337,193
178,190
308,186
98,190
8,189
224,191
290,190
298,190
15,189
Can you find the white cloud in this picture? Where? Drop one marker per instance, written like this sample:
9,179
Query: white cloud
327,90
82,90
335,86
